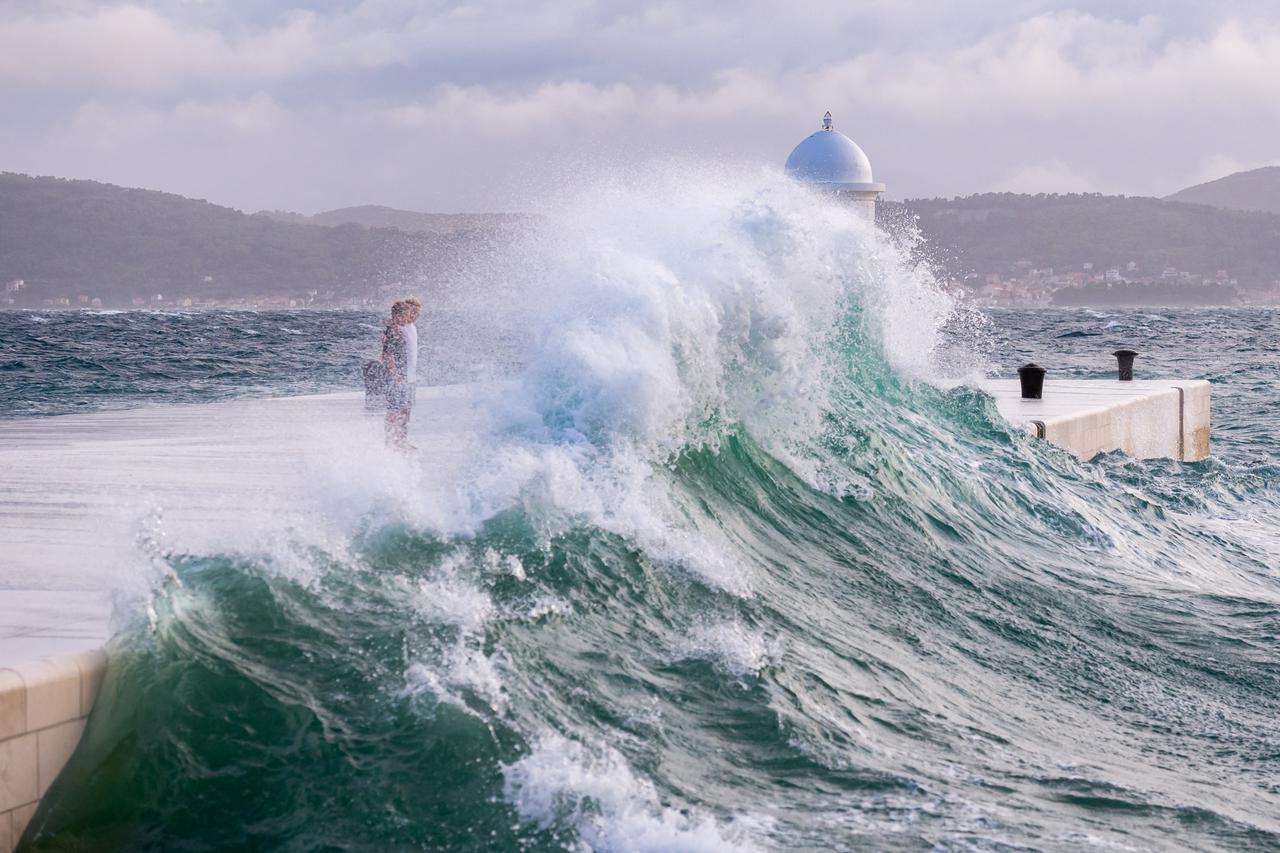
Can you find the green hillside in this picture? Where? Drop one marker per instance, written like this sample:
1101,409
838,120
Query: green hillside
378,216
64,238
71,239
993,232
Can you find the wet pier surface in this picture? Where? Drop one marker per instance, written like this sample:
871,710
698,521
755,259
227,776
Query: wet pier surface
88,501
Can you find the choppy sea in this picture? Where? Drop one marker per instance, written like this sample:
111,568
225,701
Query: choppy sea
747,564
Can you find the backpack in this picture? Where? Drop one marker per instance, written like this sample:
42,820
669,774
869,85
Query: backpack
375,385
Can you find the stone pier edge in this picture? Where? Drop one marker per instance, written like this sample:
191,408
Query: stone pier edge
44,705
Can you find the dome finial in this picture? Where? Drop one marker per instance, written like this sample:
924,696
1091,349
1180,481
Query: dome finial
827,122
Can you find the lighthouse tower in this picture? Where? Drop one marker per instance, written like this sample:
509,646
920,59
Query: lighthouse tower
830,161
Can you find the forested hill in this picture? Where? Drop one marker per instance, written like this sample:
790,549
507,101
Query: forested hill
82,240
378,216
992,232
67,238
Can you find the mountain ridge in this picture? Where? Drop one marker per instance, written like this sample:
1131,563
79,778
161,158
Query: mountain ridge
74,243
993,233
1254,189
410,221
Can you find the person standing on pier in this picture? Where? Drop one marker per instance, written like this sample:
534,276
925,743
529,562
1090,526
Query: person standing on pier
400,358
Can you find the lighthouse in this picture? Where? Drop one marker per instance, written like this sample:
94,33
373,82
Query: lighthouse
831,162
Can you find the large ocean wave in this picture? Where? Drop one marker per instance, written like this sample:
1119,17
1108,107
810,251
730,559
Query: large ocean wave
737,562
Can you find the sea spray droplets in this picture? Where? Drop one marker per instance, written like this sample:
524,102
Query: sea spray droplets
455,659
497,563
563,785
730,645
451,599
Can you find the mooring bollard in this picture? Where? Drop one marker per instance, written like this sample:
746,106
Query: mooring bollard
1124,358
1032,378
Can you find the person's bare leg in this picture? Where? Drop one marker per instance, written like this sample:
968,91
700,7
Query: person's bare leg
397,428
394,431
404,430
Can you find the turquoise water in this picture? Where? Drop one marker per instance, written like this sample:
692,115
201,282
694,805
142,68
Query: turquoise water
742,564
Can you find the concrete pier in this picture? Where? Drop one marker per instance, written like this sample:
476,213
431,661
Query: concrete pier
44,705
1147,419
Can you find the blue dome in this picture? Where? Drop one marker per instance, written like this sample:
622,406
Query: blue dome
830,159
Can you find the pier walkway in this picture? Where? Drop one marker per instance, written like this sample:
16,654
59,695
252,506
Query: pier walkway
83,498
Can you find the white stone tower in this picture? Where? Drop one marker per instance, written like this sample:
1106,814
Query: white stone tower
830,161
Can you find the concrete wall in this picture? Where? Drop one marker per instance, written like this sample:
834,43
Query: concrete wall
1144,427
1195,420
1148,419
43,708
1170,422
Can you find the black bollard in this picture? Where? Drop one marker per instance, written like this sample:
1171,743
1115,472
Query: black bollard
1124,358
1032,378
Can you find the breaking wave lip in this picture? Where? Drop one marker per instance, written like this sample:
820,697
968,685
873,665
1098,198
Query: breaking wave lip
729,644
561,783
684,309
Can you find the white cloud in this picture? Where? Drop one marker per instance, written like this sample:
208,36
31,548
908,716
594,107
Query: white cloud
1049,176
133,48
574,105
117,45
564,106
106,125
1036,95
255,114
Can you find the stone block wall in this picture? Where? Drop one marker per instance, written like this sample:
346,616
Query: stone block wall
43,708
1145,427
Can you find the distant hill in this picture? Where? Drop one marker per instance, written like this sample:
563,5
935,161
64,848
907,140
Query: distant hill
377,216
991,233
1256,189
66,238
71,239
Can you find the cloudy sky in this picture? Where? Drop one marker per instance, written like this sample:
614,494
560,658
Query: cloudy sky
483,105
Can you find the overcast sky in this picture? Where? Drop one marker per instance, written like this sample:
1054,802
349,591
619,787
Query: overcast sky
472,106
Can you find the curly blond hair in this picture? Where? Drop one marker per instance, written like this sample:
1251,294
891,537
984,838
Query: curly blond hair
405,306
